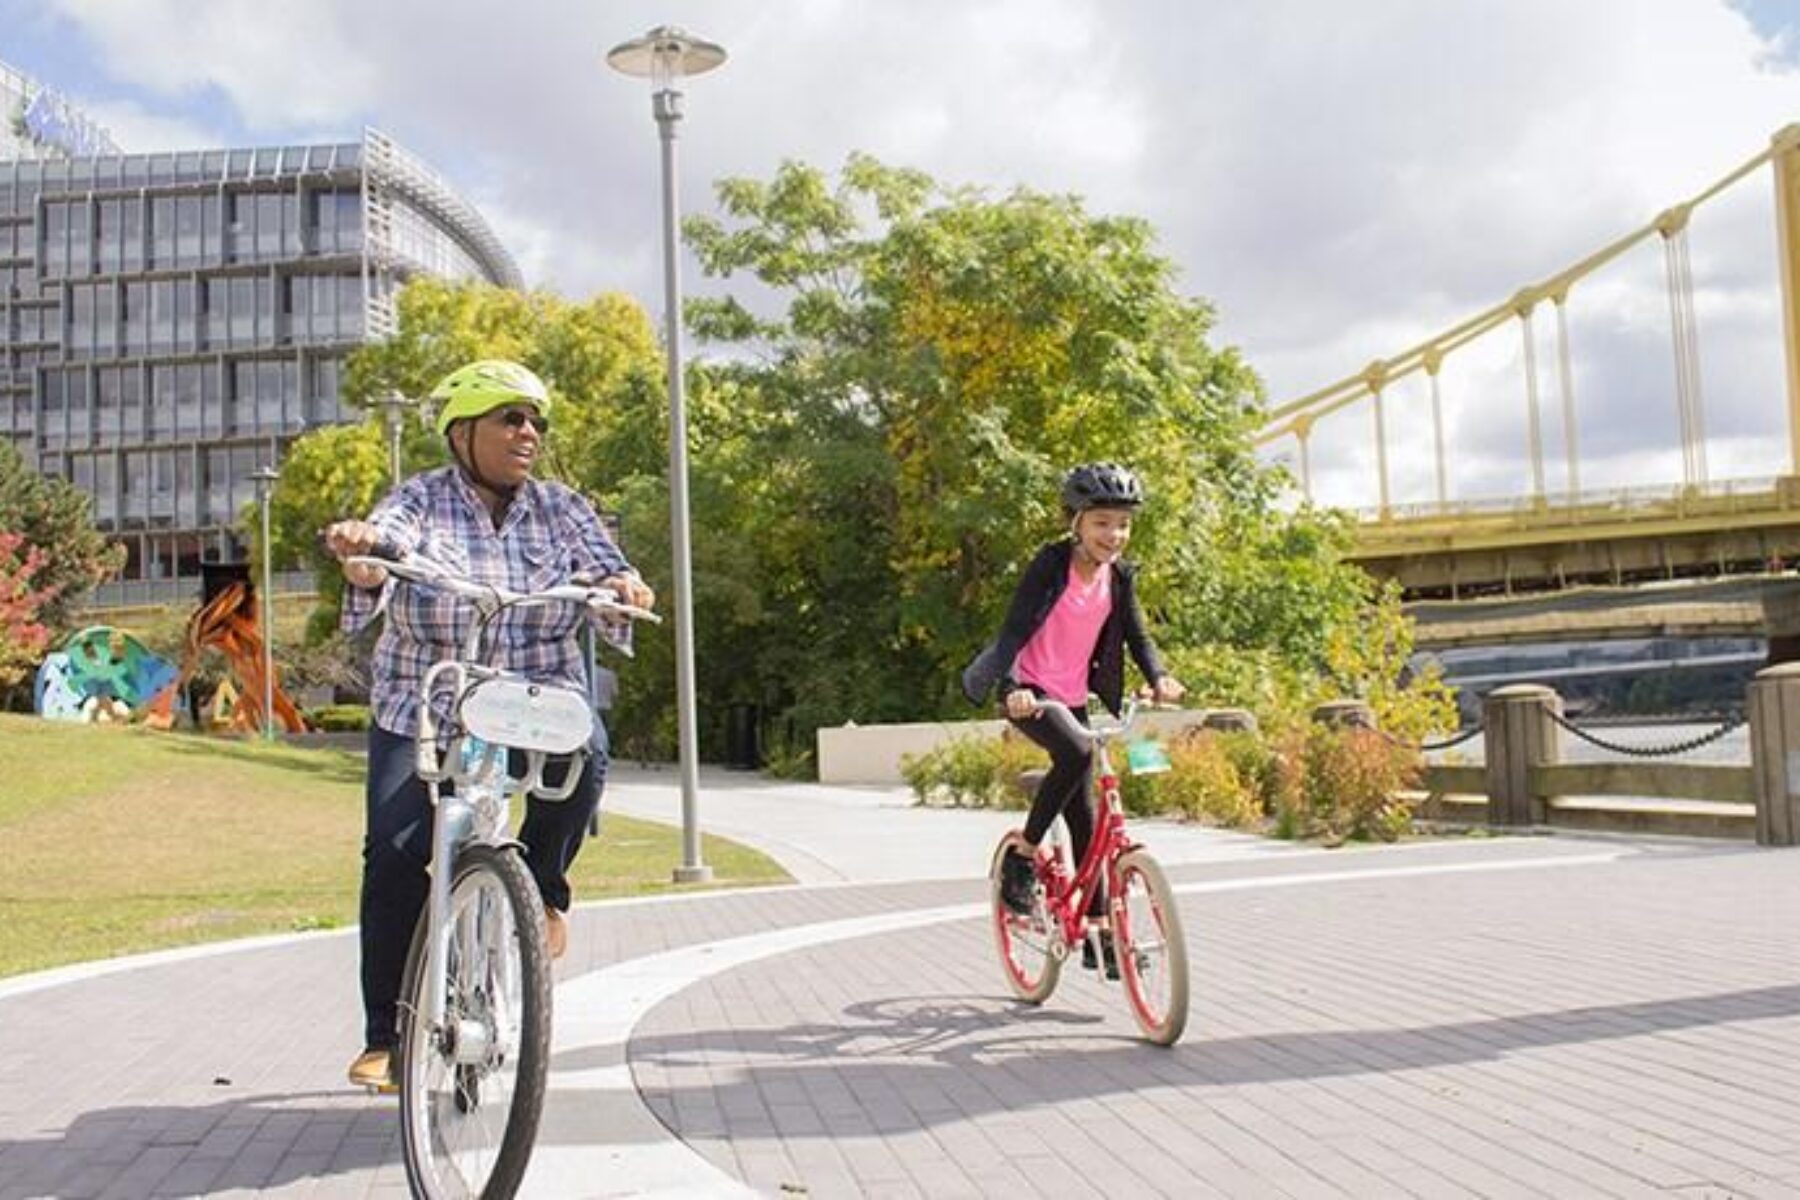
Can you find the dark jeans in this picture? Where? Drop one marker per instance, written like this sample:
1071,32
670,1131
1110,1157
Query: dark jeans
1065,791
397,852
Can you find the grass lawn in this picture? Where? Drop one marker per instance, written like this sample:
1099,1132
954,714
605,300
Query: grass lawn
123,840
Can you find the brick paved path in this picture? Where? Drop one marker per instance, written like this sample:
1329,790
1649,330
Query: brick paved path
1606,1019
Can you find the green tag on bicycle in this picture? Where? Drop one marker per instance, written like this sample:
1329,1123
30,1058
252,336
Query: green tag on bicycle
1145,757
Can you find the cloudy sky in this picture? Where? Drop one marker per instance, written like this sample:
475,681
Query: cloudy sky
1341,180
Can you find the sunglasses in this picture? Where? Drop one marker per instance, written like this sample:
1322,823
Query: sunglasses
516,419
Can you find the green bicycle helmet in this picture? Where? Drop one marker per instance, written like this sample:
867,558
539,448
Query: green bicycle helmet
481,387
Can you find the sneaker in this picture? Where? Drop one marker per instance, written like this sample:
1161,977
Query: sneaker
374,1069
1106,952
1018,882
556,932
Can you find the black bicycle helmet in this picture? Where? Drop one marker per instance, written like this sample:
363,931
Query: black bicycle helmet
1101,485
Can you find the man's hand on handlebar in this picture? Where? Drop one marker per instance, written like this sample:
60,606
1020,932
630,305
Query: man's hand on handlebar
631,590
353,539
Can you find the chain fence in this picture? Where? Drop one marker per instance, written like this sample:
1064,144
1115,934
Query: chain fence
1455,739
1727,723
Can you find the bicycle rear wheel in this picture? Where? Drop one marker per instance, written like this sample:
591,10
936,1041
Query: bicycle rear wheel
472,1088
1152,948
1025,942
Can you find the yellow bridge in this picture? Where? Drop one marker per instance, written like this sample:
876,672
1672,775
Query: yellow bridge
1547,539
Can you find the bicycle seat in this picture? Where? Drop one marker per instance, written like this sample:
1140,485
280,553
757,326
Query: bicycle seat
527,716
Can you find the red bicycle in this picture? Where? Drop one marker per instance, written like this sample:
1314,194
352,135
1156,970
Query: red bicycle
1140,912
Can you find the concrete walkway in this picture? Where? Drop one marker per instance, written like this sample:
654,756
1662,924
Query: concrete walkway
1492,1017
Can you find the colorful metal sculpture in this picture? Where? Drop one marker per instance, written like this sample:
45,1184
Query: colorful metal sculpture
100,673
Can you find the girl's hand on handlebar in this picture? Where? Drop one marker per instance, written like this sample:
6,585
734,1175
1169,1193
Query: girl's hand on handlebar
1021,703
1168,690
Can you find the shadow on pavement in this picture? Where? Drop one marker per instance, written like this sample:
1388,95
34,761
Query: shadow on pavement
900,1065
249,1143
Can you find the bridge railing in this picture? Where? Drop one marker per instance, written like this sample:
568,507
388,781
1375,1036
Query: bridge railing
1655,501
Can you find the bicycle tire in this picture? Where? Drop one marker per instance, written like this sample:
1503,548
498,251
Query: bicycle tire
468,1128
1023,942
1152,947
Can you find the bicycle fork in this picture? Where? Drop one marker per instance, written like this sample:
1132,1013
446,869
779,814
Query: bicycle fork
450,828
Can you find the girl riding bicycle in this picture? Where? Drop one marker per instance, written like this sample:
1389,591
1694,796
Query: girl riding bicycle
1074,613
487,518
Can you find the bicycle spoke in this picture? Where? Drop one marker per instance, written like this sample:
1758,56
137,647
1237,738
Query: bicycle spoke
473,1086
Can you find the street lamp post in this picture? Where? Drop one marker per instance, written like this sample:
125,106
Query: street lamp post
265,478
393,407
664,55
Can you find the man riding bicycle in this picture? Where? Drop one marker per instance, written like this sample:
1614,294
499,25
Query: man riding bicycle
487,518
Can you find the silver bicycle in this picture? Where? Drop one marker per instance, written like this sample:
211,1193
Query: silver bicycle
475,997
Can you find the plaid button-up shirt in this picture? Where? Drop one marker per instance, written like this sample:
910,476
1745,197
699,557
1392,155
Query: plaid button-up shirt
549,536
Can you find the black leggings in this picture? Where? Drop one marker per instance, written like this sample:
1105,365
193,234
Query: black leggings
1065,791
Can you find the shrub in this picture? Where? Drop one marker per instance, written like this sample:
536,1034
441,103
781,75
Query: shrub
1342,784
339,718
973,772
1204,782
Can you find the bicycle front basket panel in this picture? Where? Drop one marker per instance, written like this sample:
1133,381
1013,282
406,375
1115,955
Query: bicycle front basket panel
528,716
1146,758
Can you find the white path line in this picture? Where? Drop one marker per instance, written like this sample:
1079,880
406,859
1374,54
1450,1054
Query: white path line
608,1143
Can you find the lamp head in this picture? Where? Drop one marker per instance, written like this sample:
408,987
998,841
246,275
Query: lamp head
664,56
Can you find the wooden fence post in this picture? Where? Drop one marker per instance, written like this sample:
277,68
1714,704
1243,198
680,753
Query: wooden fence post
1519,732
1775,753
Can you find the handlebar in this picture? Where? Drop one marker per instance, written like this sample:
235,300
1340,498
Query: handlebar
1063,717
489,597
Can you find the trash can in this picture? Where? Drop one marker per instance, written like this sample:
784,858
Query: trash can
741,751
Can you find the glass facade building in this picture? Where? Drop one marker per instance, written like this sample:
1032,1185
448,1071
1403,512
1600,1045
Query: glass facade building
169,322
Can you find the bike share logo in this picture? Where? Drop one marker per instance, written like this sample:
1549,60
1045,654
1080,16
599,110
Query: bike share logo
50,120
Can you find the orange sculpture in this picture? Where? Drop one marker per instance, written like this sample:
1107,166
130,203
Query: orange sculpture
229,623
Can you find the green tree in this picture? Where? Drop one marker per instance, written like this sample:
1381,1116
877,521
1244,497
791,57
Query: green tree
327,475
941,358
53,516
602,363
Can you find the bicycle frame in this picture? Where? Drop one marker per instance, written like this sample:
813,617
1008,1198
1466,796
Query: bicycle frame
1067,897
475,810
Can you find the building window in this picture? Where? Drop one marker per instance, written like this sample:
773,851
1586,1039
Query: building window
162,231
106,385
80,430
187,231
131,403
131,234
106,319
162,404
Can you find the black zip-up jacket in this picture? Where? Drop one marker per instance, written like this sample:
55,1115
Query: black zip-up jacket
1039,588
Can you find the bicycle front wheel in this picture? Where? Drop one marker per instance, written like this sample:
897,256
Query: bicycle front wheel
1152,948
1027,942
472,1084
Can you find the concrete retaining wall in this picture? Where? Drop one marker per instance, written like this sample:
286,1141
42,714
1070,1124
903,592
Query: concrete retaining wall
871,753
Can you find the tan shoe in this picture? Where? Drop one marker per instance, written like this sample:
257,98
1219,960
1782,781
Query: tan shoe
374,1069
556,932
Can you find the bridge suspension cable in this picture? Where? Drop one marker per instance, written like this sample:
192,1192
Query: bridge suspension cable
1684,332
1298,417
1565,384
1534,434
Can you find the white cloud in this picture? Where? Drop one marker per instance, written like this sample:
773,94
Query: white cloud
1343,180
140,131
